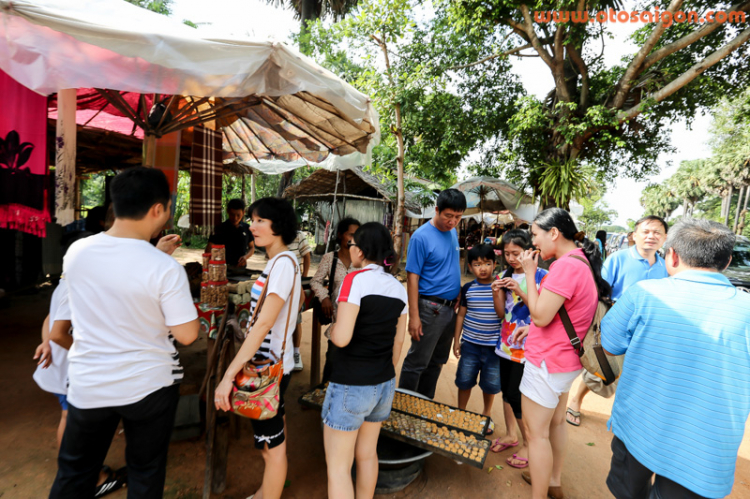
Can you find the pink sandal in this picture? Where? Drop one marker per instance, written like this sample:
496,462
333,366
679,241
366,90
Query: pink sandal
502,447
509,461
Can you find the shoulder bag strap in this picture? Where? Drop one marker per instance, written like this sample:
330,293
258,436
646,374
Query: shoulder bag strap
262,298
565,318
334,264
289,305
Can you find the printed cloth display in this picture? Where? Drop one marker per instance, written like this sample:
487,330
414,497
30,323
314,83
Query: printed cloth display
206,169
23,158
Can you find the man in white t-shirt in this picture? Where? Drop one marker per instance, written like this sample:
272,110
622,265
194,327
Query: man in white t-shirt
129,302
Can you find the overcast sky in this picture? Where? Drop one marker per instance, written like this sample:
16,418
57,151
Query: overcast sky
259,20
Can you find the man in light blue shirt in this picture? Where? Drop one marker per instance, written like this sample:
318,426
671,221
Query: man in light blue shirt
684,396
621,270
433,283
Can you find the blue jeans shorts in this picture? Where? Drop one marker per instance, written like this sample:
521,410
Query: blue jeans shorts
478,361
346,407
63,399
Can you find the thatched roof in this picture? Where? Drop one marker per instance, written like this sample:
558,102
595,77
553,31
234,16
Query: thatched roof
353,184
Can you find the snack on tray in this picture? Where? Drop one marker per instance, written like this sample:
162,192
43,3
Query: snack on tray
317,396
452,441
440,413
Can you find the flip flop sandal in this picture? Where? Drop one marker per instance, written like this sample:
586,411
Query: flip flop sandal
575,414
115,481
492,428
525,464
502,447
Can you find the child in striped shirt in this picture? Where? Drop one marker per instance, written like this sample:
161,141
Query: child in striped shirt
479,318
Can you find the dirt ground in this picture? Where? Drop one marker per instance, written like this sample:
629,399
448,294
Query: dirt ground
29,417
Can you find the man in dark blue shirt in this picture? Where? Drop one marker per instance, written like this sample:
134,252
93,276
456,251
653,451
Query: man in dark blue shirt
433,285
235,235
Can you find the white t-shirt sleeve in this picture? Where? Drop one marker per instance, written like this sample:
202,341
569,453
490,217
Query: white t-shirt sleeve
405,298
61,309
355,291
281,278
175,299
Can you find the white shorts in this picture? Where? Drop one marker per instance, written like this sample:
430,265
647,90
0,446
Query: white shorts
544,387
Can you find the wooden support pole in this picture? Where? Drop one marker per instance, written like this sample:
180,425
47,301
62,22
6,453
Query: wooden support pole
65,157
149,151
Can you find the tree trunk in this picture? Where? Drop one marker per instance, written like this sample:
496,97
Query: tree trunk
244,190
739,208
729,205
252,187
398,217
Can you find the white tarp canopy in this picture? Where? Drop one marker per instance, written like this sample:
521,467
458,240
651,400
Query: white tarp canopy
49,45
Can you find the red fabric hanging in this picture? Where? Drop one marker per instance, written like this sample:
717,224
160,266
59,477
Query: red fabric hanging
23,158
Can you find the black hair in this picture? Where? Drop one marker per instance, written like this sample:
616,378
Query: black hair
519,237
136,190
236,204
652,218
452,199
485,251
601,235
344,225
563,222
95,219
374,241
281,214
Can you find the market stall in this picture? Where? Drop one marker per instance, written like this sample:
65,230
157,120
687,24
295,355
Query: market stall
117,70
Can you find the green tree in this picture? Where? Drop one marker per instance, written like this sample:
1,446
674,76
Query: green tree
611,118
596,214
688,184
659,200
430,122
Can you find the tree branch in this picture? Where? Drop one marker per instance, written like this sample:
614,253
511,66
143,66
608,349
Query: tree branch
581,65
528,28
688,75
690,38
513,51
626,82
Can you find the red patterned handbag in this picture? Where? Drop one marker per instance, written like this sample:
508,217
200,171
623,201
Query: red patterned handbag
257,386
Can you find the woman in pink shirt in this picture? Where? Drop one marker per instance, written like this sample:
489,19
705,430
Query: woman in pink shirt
552,363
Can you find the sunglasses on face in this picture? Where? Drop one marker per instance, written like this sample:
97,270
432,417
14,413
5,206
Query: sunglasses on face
350,244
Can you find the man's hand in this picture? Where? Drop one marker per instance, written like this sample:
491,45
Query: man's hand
457,347
415,327
242,262
44,354
327,307
169,243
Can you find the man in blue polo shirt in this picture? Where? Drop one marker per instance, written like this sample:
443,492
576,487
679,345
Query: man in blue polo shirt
621,270
433,284
683,397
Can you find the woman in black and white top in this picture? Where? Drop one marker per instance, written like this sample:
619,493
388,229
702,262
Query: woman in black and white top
343,265
274,226
369,331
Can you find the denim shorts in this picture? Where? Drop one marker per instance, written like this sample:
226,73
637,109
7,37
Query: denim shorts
346,407
478,361
63,399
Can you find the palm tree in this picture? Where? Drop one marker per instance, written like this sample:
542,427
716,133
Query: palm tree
659,200
687,184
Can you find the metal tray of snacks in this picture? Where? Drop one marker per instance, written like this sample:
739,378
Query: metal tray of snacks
315,397
437,438
465,421
420,431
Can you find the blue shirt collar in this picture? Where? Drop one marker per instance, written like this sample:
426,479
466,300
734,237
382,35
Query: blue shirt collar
704,277
634,253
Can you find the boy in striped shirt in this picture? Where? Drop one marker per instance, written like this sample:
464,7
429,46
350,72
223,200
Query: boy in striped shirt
479,319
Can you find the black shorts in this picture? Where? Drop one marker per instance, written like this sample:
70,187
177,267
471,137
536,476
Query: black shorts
271,431
510,382
629,479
